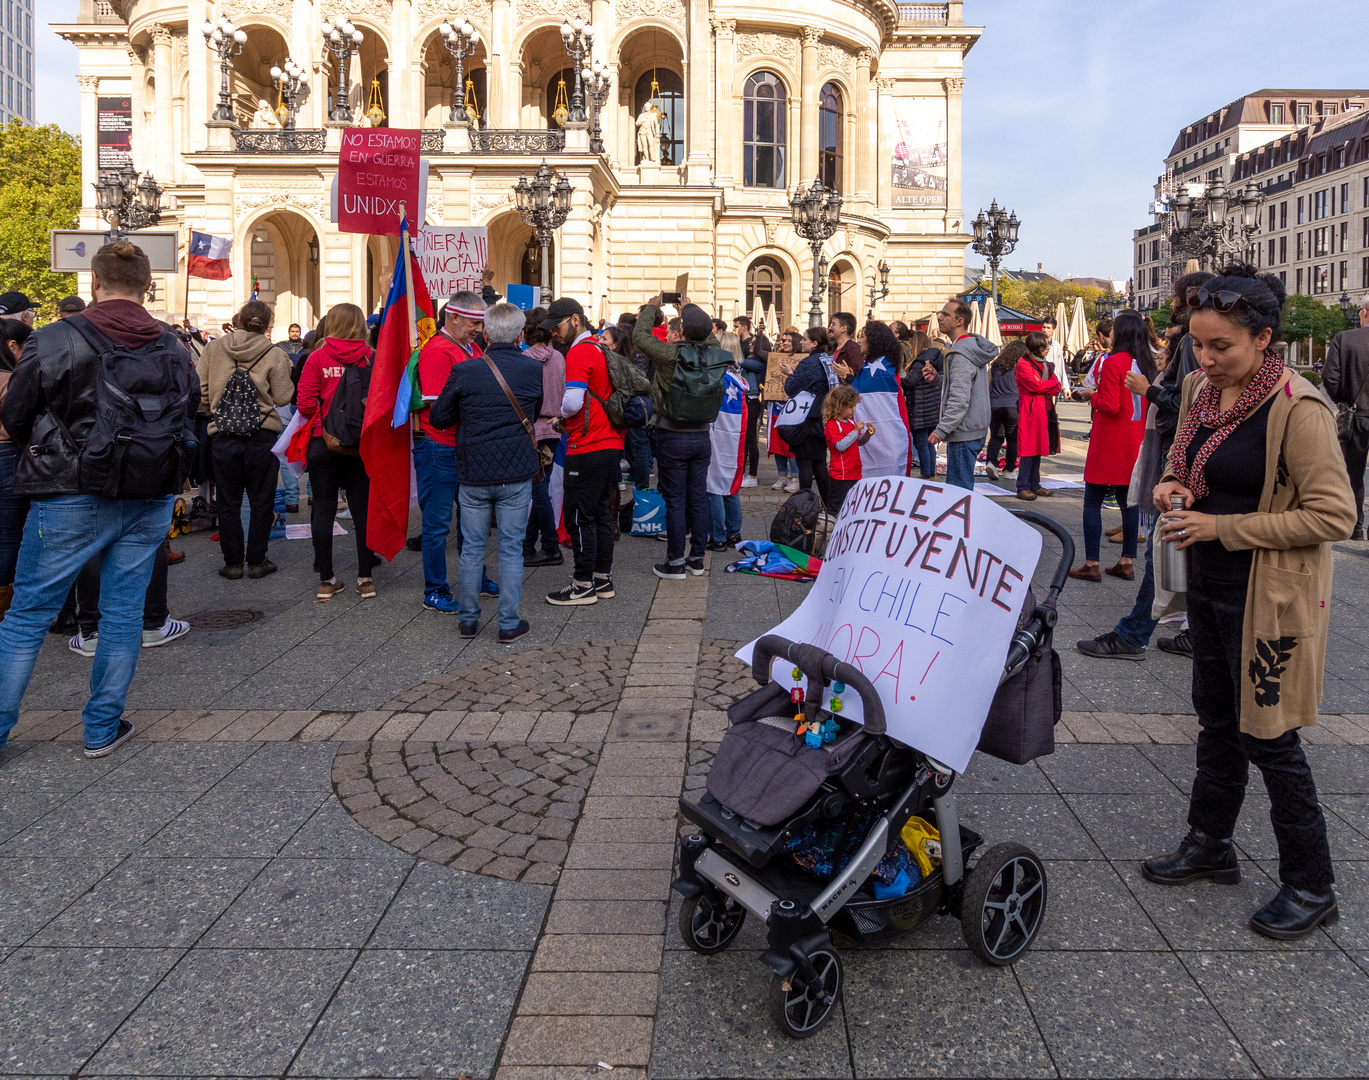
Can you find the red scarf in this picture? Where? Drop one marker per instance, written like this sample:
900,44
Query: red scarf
1205,413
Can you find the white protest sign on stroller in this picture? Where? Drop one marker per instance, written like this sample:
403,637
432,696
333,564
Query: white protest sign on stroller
921,590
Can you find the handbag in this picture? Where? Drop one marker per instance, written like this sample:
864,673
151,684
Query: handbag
795,415
522,417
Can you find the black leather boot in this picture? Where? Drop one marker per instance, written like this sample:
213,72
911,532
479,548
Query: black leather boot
1295,913
1199,856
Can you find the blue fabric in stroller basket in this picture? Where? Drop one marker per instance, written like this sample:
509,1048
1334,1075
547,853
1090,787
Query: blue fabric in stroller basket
823,849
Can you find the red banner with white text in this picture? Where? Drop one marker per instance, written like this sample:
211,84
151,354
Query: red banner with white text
378,168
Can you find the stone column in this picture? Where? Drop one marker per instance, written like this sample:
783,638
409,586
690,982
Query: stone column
500,75
162,116
199,60
808,106
90,164
405,107
727,143
622,136
953,88
867,129
881,187
698,101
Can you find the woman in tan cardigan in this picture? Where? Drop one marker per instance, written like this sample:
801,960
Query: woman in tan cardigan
1259,590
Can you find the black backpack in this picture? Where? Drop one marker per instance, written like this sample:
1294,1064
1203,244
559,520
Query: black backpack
137,446
695,394
239,409
347,412
795,523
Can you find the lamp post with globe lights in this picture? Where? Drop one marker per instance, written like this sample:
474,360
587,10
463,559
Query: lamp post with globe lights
815,214
460,39
342,39
598,80
995,235
1211,222
226,41
127,202
880,291
543,204
288,79
577,36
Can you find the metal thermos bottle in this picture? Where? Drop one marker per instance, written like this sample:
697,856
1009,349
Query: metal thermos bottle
1171,571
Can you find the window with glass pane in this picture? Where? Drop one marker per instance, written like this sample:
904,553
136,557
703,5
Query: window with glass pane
829,137
765,279
671,104
763,131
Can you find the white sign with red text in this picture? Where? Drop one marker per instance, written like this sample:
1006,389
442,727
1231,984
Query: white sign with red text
921,590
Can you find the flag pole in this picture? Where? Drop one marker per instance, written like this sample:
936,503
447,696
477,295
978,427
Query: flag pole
185,316
412,316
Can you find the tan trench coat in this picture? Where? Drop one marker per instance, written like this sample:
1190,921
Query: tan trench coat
1305,505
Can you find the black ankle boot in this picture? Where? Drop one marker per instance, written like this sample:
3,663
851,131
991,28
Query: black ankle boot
1199,856
1295,913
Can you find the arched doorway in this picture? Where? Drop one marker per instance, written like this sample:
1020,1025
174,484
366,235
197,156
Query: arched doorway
766,279
381,253
515,255
842,284
370,66
647,54
283,254
440,86
249,79
669,98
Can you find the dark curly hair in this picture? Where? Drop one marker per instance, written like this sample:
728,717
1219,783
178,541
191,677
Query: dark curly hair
1262,297
1012,352
880,341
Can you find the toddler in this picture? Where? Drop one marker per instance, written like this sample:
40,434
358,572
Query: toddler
844,439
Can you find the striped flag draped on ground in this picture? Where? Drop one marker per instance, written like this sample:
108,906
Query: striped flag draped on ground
890,451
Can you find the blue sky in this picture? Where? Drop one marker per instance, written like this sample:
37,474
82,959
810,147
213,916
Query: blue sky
1070,107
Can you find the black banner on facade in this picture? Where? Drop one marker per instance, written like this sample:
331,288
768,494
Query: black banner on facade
114,137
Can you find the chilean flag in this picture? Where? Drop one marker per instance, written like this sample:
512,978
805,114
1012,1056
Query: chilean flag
727,435
890,450
208,257
385,446
556,490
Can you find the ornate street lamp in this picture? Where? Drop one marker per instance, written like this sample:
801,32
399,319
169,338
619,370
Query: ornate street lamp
816,214
342,39
1347,306
226,41
598,80
880,291
460,39
127,202
995,235
543,205
312,248
577,36
1213,222
289,83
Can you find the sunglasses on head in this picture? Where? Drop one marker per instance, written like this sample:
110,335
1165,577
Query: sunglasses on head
1222,301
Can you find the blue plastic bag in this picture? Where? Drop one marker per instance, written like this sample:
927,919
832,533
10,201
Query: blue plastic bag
648,512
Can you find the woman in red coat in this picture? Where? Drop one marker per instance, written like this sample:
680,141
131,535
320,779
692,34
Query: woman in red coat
1119,425
1036,388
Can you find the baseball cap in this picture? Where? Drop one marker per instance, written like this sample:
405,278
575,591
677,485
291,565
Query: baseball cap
560,311
71,305
15,303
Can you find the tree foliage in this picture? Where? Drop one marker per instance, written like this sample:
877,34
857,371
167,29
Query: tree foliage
1040,298
1306,317
40,190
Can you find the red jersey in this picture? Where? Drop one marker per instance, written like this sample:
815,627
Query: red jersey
435,364
844,464
587,368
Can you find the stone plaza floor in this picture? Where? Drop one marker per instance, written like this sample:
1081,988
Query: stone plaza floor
346,843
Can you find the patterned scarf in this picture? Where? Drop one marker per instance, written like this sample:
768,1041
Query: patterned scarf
1204,413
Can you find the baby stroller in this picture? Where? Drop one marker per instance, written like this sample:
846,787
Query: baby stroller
768,789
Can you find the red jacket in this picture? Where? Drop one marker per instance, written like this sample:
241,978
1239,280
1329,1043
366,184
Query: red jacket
1119,424
1035,389
318,382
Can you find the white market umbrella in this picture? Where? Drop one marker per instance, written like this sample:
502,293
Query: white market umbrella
757,313
772,324
1079,328
990,329
976,320
1062,325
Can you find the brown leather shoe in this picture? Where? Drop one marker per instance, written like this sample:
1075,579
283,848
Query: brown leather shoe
174,557
1086,573
1026,495
1043,492
1126,573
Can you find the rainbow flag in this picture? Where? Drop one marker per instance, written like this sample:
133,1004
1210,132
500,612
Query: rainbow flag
405,323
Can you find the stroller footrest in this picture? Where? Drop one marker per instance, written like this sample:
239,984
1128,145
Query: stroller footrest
736,883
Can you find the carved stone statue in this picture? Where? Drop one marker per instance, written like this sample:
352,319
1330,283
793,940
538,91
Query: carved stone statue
648,136
265,116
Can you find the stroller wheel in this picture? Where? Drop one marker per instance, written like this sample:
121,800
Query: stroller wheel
709,922
1004,903
801,1010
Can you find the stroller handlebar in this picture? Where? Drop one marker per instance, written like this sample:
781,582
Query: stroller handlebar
820,666
1062,534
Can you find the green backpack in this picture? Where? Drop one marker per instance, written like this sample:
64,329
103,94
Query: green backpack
695,394
629,404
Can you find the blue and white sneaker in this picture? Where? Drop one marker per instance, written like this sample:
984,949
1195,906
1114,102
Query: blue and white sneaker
441,601
488,587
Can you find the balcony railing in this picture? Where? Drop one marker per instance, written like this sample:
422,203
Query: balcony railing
517,141
923,14
284,141
431,139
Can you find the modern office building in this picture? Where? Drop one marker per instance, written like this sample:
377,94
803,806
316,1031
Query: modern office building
16,62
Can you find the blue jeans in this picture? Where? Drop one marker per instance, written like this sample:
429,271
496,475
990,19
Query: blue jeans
289,482
960,459
12,510
682,459
637,447
727,515
435,471
1029,473
1094,494
1138,626
542,522
782,464
508,505
61,535
926,454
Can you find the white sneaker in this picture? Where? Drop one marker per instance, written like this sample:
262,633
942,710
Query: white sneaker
82,645
748,481
991,470
170,631
778,485
791,485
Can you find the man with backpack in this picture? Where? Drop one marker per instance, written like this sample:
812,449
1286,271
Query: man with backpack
687,392
245,378
104,403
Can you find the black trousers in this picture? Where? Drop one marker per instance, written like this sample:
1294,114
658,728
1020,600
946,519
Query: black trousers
839,490
87,592
754,409
1003,429
1356,450
245,465
1216,612
682,459
591,481
811,469
330,473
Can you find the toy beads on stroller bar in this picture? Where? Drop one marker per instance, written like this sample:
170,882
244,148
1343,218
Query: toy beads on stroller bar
777,774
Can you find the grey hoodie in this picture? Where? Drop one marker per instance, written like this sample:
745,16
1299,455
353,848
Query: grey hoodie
965,390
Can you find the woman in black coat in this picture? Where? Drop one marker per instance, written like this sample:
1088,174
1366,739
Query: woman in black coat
922,395
814,374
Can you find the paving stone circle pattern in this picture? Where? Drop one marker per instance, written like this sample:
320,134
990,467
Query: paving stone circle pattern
503,810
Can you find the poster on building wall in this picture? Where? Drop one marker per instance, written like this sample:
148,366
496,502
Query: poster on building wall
919,161
114,133
378,168
452,257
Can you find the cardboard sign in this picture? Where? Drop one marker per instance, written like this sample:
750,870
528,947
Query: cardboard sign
377,170
921,590
773,390
452,257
